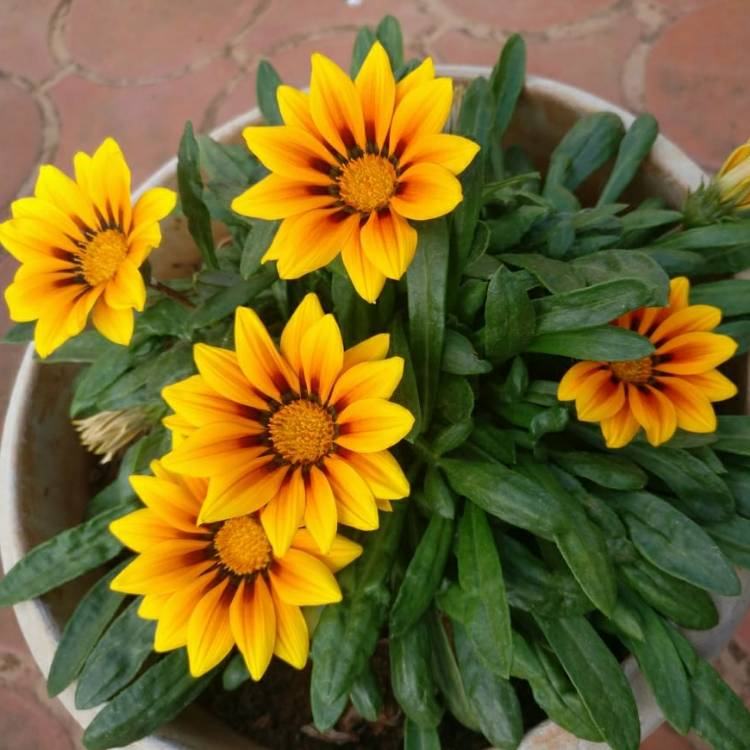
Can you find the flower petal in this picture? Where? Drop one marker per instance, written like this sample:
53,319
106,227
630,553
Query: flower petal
453,152
620,429
604,402
367,380
364,275
355,505
654,412
294,106
679,291
115,325
209,636
423,73
422,111
172,628
320,510
57,188
276,197
308,312
252,618
381,471
126,289
170,501
153,206
575,378
303,580
713,384
687,320
284,513
322,354
388,242
426,191
694,353
373,348
373,424
693,409
142,529
342,551
222,372
292,637
377,93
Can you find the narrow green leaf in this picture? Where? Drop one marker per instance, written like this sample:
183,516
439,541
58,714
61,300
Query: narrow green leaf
235,673
460,357
389,35
614,472
20,333
702,238
416,738
62,558
733,537
733,432
190,187
257,242
362,43
367,694
225,302
607,343
509,317
555,275
154,699
407,392
507,80
732,296
102,373
455,399
266,83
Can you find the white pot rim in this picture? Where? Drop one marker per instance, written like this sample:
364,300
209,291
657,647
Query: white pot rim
42,632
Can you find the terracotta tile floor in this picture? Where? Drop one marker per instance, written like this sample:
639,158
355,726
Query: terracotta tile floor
74,71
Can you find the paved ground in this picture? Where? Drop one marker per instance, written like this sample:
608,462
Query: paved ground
74,71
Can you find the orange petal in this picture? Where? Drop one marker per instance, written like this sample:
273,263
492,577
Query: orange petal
142,529
654,412
308,313
423,73
322,354
252,619
713,384
355,504
284,513
292,637
303,580
209,636
367,380
342,552
575,378
377,93
373,424
694,353
679,291
691,318
381,471
453,152
425,191
364,275
388,242
222,373
604,402
373,348
294,106
423,111
115,325
172,627
276,197
693,409
320,510
620,429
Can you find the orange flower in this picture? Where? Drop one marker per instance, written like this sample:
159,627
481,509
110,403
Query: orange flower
353,161
671,388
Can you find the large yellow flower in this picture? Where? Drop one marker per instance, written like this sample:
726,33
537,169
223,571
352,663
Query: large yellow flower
353,161
300,434
80,243
733,179
211,587
672,388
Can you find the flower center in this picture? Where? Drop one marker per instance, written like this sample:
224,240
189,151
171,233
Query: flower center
633,370
367,183
242,546
102,256
302,431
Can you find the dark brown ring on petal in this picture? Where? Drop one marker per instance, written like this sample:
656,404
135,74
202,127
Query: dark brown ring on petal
348,138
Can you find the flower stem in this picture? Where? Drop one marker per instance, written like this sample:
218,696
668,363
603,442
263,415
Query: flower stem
171,293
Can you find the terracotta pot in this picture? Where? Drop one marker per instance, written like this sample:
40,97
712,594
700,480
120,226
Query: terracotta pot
44,471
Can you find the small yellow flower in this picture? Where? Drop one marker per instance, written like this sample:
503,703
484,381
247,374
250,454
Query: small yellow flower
211,587
299,434
80,243
353,161
733,179
672,388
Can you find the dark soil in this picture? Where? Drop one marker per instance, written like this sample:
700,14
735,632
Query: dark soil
275,712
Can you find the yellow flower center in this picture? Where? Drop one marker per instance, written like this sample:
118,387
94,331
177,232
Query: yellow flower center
633,370
242,546
102,256
367,183
302,431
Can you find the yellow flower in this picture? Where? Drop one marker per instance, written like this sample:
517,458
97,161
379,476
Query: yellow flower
672,388
211,587
80,243
353,161
733,179
300,434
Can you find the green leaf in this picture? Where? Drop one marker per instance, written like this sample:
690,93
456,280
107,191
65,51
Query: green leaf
607,343
681,602
661,665
411,676
416,738
733,432
225,302
589,307
423,574
190,187
506,81
20,333
62,558
455,399
585,147
116,658
597,677
362,43
89,346
84,628
704,495
166,317
733,537
451,437
732,296
388,33
702,238
555,275
367,694
235,673
509,317
460,357
153,700
407,392
438,496
634,148
266,83
614,472
674,543
97,378
480,575
426,282
739,330
506,494
256,244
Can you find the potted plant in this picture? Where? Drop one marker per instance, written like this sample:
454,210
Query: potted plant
542,395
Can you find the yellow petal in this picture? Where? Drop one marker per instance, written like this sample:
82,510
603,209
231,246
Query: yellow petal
367,380
171,501
142,529
29,293
320,510
693,409
654,412
52,328
154,205
308,312
290,152
713,384
381,471
342,551
109,184
322,354
364,275
426,191
276,197
284,513
453,152
389,243
424,110
373,348
294,106
258,357
172,628
152,605
209,636
44,212
377,94
372,425
115,325
252,618
694,353
303,580
57,188
292,638
691,318
423,73
355,505
620,429
740,154
222,373
335,105
126,289
604,400
575,378
679,291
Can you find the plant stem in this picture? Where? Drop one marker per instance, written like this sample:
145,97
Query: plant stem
171,293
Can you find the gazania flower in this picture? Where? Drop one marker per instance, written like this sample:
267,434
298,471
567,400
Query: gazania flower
353,161
299,434
211,587
733,179
80,243
671,388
